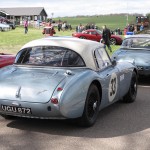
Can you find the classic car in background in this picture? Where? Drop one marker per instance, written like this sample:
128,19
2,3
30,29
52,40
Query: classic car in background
6,59
96,35
136,49
4,27
11,24
6,24
64,78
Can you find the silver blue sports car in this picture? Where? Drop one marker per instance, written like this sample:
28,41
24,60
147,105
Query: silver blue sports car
64,78
136,49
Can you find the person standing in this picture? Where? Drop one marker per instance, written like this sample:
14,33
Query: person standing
142,27
106,35
26,26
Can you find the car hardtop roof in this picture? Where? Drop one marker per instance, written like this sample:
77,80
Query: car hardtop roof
83,47
66,41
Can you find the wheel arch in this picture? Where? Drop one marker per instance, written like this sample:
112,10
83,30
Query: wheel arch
82,37
98,85
135,70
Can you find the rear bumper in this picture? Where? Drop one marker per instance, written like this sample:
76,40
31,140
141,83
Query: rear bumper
38,110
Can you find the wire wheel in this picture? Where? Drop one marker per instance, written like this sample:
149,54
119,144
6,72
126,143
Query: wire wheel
132,92
91,107
82,37
113,41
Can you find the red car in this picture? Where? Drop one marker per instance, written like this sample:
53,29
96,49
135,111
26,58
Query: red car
96,35
6,59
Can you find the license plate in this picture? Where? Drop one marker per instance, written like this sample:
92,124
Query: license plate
21,110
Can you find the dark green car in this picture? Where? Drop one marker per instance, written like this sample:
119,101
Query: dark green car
135,49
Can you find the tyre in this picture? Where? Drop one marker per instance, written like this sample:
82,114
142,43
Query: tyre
82,37
10,28
113,41
132,92
91,107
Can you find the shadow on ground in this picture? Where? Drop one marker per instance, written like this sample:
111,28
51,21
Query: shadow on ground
116,120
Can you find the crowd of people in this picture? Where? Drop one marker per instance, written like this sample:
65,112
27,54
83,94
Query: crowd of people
49,30
81,27
64,26
133,29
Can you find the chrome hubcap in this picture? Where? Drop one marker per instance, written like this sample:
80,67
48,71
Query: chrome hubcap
94,105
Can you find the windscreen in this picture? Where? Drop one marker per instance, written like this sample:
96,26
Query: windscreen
49,56
135,43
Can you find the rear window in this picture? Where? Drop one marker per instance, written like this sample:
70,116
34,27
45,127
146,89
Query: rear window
140,42
49,56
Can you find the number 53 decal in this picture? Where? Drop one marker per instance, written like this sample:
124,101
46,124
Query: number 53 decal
113,86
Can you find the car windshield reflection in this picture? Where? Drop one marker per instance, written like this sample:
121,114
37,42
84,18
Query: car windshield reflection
133,43
49,56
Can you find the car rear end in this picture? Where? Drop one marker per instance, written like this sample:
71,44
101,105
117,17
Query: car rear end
6,59
30,92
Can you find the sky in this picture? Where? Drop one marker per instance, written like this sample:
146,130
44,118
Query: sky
62,8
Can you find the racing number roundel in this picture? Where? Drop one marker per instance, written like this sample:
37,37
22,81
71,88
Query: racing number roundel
113,86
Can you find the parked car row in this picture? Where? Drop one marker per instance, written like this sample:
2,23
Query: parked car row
71,78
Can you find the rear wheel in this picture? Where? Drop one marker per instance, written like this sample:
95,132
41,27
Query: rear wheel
91,107
132,92
82,37
113,41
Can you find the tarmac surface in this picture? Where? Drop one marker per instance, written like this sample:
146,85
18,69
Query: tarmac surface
118,127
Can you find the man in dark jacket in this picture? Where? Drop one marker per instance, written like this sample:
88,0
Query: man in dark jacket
106,35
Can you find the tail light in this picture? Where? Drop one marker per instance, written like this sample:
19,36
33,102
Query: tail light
59,89
54,100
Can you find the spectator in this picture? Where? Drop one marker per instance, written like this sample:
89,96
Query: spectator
64,26
59,26
125,31
26,26
106,35
128,28
76,28
132,28
70,27
87,27
118,31
135,29
142,27
92,26
80,28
